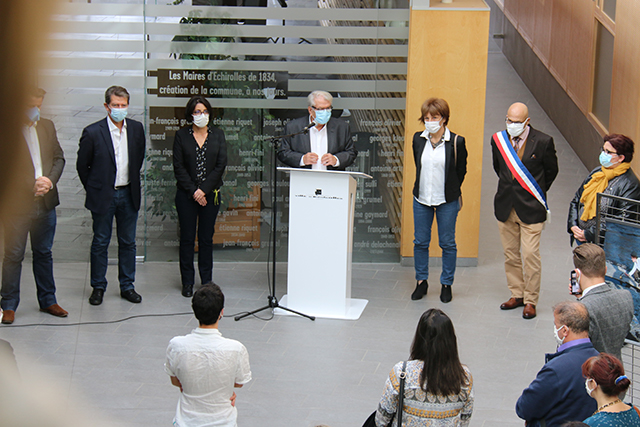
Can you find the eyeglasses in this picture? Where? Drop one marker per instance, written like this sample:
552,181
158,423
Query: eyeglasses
321,109
511,122
198,112
611,153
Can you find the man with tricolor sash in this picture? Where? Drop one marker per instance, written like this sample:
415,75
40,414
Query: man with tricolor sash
526,164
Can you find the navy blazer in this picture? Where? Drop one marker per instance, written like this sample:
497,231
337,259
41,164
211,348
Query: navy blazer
540,159
454,173
184,160
557,394
96,164
339,143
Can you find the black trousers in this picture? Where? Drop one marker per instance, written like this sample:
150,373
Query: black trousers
192,217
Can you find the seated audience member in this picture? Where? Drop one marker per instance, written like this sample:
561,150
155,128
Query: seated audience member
206,367
438,388
610,309
557,394
605,382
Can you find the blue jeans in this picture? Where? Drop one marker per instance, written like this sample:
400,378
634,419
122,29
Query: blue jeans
446,215
126,217
190,215
40,224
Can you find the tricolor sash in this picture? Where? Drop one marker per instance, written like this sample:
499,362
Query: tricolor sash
518,170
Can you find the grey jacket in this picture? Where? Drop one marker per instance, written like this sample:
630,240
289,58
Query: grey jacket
610,314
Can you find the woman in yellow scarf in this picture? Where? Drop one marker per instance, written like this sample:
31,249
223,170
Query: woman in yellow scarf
613,177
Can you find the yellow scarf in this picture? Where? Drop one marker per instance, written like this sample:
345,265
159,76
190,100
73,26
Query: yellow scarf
598,183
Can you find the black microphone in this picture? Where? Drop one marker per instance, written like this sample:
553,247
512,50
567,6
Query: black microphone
306,129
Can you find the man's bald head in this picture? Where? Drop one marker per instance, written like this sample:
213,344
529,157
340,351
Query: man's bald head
518,112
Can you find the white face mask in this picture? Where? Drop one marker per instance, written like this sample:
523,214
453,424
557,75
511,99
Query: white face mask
516,129
586,386
432,127
201,120
559,340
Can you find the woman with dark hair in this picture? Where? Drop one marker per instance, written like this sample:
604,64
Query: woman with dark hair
438,388
199,161
613,177
605,382
441,164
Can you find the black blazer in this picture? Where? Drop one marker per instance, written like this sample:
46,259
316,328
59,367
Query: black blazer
339,143
96,163
184,160
625,185
52,158
454,173
540,159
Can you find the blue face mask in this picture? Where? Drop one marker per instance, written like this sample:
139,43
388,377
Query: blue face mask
33,114
118,114
323,116
605,160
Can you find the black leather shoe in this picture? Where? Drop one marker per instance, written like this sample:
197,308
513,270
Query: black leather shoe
96,296
445,293
131,296
187,291
421,290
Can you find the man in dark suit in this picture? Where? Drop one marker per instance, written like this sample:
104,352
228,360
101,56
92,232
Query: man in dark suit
558,393
44,162
610,309
110,157
327,144
520,214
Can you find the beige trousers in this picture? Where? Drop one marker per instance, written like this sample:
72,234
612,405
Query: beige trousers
521,244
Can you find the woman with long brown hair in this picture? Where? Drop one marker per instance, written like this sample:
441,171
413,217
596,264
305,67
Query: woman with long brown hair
438,388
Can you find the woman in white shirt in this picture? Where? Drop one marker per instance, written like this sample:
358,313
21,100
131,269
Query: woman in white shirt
441,164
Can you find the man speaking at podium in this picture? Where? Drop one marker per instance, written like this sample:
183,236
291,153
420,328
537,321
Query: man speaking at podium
321,142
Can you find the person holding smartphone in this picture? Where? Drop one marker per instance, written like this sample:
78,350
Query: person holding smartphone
610,309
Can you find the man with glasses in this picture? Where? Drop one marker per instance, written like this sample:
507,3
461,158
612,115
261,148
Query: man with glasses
321,142
526,164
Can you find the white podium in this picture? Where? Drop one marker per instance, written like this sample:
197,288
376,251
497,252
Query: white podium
321,212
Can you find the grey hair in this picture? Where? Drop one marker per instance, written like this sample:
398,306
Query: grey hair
319,94
573,314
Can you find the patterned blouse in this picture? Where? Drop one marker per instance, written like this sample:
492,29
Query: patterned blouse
201,158
422,409
628,418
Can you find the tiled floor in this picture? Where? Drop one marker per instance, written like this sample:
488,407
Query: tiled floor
306,373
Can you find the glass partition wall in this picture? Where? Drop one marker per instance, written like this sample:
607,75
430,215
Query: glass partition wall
256,61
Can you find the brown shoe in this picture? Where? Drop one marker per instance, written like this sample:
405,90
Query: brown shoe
8,316
529,311
512,303
55,310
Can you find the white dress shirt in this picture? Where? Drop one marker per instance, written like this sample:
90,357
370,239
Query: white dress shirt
31,136
591,287
207,366
432,173
121,150
319,144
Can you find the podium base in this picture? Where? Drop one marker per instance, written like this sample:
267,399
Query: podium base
354,309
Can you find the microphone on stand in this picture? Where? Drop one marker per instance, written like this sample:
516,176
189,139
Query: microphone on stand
306,129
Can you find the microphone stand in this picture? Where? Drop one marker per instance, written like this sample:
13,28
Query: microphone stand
271,298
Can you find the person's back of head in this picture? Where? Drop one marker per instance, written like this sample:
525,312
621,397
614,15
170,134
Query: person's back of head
591,260
575,316
608,373
574,424
436,345
207,304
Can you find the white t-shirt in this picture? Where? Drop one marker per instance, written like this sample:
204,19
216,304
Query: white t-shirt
207,365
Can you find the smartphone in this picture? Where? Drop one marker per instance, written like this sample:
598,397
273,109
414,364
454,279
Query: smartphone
575,286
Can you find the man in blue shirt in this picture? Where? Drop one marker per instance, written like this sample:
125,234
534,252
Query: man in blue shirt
558,394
